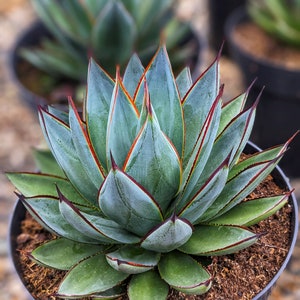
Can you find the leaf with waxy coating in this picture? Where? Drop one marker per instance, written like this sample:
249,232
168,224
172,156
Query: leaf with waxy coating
114,293
84,148
209,240
32,184
95,227
201,152
184,82
154,162
184,273
46,211
228,142
196,206
122,124
252,211
147,286
230,110
197,104
243,179
92,275
169,235
61,115
46,162
132,259
137,210
60,142
63,253
165,97
133,75
99,93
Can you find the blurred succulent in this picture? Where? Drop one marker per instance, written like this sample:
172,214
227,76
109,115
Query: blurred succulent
280,18
149,182
109,31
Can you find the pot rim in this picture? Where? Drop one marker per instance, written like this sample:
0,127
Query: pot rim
278,174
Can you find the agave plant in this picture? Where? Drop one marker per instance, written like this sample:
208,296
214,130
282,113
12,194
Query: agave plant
148,182
108,30
280,18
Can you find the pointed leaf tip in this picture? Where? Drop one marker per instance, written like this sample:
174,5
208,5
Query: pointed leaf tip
113,162
220,51
147,97
72,104
292,137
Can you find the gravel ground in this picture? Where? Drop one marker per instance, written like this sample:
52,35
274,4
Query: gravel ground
20,131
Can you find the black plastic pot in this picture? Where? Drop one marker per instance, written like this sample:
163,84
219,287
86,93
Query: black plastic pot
14,231
278,112
218,11
280,179
32,37
29,37
34,34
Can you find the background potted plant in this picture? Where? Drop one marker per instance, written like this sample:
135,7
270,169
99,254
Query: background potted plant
218,11
264,42
49,60
150,185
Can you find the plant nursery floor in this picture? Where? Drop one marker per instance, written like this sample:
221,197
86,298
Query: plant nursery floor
20,131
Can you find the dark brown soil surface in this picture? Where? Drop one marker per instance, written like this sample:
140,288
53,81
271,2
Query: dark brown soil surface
238,276
254,40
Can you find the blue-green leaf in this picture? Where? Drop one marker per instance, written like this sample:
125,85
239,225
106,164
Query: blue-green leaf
228,142
195,164
197,104
132,259
168,236
122,124
34,184
45,210
209,240
147,286
114,293
137,211
252,211
99,94
59,138
184,82
63,253
231,109
184,273
196,206
84,148
165,97
133,74
46,162
247,175
92,275
154,162
93,226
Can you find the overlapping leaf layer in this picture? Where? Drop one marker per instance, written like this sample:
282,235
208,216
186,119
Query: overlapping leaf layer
147,182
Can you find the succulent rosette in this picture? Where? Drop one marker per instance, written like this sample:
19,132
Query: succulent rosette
148,180
109,31
278,18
